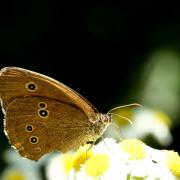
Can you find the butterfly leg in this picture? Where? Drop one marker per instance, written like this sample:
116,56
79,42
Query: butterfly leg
92,144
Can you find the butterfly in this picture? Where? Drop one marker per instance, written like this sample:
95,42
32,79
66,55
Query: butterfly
42,115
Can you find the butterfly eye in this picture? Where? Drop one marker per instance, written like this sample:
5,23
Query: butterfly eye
34,139
38,150
29,128
31,86
42,105
43,113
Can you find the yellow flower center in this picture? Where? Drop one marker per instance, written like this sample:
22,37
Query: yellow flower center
134,147
77,159
97,165
15,175
81,156
68,162
173,160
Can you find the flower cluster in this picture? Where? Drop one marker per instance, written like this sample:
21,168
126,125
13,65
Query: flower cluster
128,159
20,169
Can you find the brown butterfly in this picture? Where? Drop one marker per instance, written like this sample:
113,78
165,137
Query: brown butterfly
43,115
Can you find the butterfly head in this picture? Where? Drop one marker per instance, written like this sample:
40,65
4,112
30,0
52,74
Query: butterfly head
104,118
100,123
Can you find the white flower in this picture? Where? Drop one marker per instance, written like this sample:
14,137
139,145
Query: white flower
19,173
100,168
56,169
130,158
153,166
111,147
20,168
147,121
117,169
10,156
173,162
65,166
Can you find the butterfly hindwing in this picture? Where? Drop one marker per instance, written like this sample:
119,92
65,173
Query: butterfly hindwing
37,126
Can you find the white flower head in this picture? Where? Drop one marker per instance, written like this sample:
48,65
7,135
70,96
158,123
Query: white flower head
104,167
148,121
60,167
11,156
20,173
20,168
130,158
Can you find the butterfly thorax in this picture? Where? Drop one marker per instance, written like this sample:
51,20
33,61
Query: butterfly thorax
100,123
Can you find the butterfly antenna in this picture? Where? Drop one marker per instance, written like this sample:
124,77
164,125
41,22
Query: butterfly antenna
119,107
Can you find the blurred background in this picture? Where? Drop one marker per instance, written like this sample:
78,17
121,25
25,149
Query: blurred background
111,53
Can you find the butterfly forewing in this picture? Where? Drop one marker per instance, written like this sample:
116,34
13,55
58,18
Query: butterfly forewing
18,82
